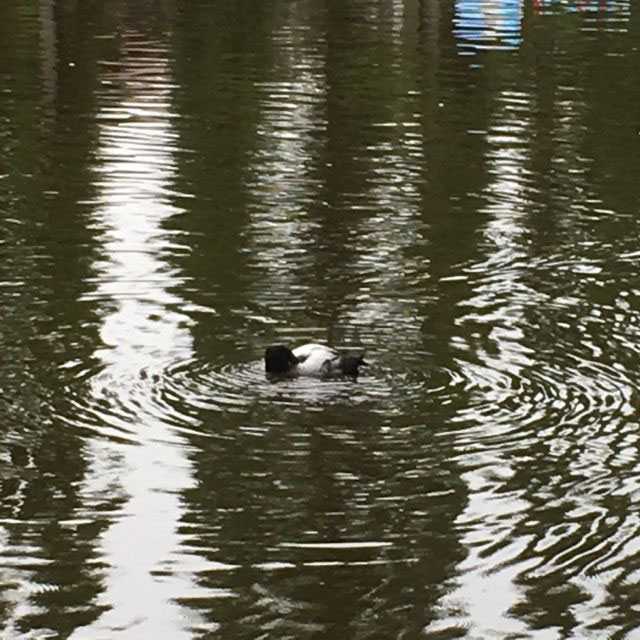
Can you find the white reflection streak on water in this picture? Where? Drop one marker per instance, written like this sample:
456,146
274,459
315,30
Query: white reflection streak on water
136,167
279,230
388,300
487,591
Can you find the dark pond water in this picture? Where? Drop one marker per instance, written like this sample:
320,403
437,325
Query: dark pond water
452,186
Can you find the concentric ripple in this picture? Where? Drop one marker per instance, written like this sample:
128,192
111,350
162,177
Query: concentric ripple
187,388
183,394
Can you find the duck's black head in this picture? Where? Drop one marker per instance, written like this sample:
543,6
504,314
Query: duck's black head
279,359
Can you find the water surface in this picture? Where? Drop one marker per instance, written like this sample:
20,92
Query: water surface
451,186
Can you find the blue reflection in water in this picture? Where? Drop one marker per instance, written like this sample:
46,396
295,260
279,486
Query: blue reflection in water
488,25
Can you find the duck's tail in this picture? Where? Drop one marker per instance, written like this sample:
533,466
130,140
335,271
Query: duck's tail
350,363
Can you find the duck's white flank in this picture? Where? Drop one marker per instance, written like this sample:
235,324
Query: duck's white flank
315,359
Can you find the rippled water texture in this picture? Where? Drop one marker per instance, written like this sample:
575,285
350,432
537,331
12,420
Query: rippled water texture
450,186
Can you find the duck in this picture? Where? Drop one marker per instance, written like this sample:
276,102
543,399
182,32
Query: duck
312,359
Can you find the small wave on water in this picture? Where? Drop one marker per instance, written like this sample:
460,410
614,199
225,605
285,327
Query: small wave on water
186,394
190,387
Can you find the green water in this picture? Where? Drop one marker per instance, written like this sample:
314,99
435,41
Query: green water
451,186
